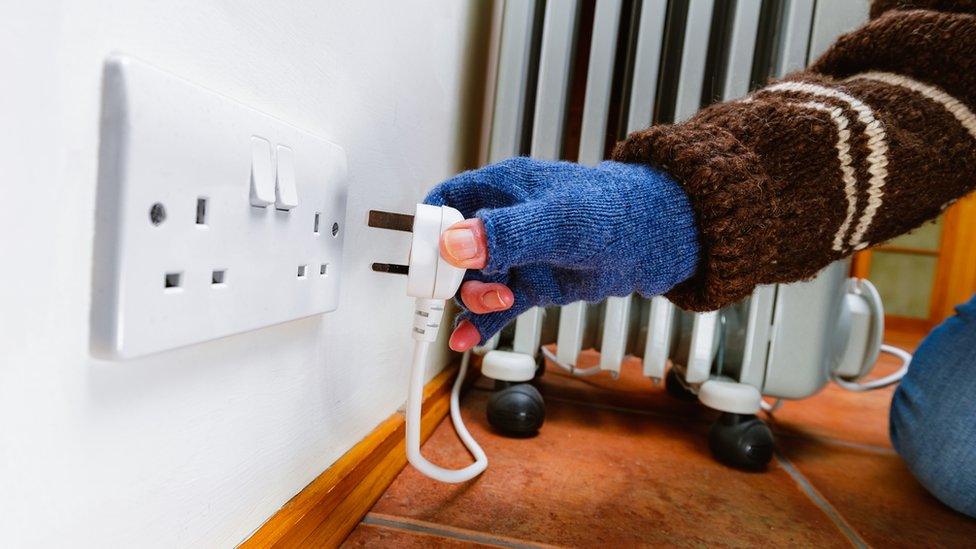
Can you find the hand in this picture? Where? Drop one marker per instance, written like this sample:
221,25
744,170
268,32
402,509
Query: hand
466,245
550,233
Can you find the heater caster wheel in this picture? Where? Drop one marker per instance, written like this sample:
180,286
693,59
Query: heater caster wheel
741,440
516,410
676,389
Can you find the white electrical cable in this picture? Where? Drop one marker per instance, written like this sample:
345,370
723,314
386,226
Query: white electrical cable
578,372
885,381
431,280
770,408
426,324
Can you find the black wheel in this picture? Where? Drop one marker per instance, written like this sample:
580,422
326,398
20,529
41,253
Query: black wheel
741,440
517,410
676,388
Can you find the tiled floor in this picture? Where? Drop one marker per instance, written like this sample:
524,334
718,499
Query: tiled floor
620,464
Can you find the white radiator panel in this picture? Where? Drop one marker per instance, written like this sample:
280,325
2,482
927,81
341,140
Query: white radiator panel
647,64
806,335
596,106
758,331
693,56
795,38
643,93
742,48
832,18
511,88
792,48
616,324
690,86
569,341
528,331
804,27
595,111
599,81
555,61
659,333
511,84
704,343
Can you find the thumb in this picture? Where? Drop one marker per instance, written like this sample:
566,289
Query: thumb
465,245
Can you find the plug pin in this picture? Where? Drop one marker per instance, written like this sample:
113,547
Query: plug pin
390,220
391,268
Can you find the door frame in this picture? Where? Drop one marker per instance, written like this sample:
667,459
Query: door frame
955,272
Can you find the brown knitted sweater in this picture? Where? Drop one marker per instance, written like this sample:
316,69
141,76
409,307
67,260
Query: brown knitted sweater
872,140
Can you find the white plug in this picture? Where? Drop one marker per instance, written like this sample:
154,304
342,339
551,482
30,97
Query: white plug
431,280
430,276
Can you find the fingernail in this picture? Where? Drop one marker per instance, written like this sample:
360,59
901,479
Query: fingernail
493,300
461,244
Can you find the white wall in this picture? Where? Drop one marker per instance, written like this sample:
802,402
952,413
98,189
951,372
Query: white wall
197,447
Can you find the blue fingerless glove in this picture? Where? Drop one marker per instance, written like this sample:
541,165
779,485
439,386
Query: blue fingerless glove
560,232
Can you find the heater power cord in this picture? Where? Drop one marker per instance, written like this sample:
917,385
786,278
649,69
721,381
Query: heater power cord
890,379
431,281
427,319
578,372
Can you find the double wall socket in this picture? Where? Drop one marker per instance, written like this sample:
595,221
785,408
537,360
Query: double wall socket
212,218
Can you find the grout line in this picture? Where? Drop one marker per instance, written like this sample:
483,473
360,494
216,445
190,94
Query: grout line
820,501
461,534
874,449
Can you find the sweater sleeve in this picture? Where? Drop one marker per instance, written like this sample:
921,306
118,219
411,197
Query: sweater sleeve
872,140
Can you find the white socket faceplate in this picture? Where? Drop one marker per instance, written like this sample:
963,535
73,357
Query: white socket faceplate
182,253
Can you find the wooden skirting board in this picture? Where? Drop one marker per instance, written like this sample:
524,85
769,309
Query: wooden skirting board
324,513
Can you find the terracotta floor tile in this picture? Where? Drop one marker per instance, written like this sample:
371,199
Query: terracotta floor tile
597,477
878,497
371,535
621,463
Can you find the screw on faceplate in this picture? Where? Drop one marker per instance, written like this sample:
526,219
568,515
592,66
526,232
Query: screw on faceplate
157,214
335,229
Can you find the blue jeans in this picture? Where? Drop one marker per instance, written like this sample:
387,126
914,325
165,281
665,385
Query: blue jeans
933,412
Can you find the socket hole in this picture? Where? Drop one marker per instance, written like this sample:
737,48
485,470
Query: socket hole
324,269
172,280
157,213
335,230
218,276
201,211
302,271
315,225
